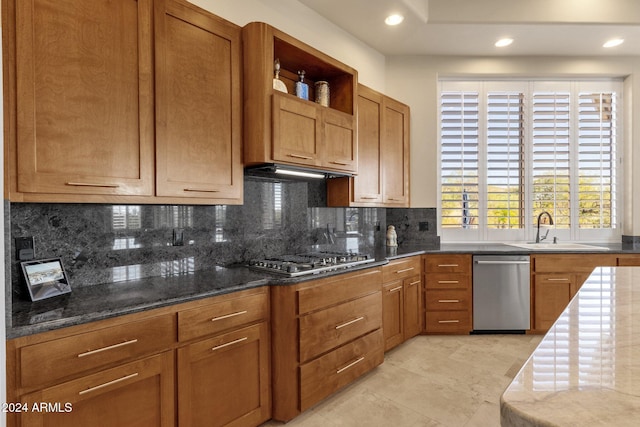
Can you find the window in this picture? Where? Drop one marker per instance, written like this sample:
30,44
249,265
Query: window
512,150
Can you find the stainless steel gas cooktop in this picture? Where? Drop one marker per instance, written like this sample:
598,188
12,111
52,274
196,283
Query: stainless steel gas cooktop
309,263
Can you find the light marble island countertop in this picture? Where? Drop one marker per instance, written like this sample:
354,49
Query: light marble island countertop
586,370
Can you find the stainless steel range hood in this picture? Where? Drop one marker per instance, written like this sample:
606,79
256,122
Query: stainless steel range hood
280,171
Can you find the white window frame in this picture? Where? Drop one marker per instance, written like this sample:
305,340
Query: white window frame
528,232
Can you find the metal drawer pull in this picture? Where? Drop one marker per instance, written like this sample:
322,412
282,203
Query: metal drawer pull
89,184
298,156
405,270
355,362
448,281
414,283
449,300
218,347
226,316
448,321
558,280
335,162
369,198
201,190
107,384
350,322
447,265
111,347
395,289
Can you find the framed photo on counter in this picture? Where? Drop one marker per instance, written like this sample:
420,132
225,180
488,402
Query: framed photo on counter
45,278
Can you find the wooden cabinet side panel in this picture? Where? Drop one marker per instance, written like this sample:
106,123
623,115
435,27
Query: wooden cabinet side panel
285,381
84,97
198,103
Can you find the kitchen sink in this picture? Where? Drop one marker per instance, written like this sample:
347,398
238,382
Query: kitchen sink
558,246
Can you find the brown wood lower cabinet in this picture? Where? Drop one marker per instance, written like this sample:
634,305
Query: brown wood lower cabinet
402,307
325,333
448,293
555,279
123,371
140,393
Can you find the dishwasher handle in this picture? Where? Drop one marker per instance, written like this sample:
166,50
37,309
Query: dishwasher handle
498,262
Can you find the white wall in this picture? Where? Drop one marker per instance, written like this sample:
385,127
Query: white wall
299,21
414,79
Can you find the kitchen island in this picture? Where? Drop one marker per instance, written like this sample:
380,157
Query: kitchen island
586,370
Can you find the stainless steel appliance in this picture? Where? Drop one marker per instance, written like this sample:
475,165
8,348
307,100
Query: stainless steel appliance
309,263
501,293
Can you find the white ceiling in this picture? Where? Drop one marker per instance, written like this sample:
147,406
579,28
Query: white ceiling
471,27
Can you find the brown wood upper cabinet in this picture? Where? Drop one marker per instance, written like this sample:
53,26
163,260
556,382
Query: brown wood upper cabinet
281,128
383,155
92,118
84,97
198,104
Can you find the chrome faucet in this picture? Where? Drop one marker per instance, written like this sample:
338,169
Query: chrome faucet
538,239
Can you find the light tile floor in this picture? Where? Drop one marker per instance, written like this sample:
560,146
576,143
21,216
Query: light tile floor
432,381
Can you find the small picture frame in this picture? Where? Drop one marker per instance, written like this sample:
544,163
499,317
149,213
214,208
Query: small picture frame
45,278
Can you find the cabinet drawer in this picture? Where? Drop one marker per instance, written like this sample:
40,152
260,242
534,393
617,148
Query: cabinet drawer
450,263
52,360
455,299
328,373
447,281
448,321
217,317
327,329
400,269
335,291
584,263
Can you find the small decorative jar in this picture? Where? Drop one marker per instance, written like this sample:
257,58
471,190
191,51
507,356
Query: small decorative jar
322,93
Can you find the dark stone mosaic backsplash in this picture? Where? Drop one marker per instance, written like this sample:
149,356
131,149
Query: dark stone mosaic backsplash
112,243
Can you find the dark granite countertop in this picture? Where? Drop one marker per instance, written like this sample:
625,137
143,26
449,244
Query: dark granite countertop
91,303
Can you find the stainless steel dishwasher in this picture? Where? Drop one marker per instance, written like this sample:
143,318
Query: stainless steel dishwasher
501,293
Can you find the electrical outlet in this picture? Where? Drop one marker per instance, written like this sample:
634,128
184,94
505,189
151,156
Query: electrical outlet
178,237
423,226
25,248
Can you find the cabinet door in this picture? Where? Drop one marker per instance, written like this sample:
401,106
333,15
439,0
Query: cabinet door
297,129
412,307
136,394
224,381
340,144
392,309
368,183
395,153
198,104
84,97
552,293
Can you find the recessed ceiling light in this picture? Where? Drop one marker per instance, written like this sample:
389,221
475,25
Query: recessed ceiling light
613,43
504,42
394,19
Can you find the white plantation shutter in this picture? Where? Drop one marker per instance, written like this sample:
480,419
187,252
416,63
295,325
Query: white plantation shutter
596,159
551,167
459,159
505,133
